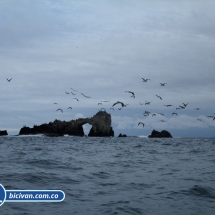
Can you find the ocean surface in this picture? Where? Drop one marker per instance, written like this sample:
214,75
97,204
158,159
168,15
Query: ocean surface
110,176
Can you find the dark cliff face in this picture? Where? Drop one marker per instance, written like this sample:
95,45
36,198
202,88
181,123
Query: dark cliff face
162,134
101,127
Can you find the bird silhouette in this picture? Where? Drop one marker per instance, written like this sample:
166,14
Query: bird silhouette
159,97
133,95
167,105
85,96
141,123
153,114
60,110
118,102
73,89
145,80
174,114
69,107
76,99
161,114
163,84
102,109
147,103
9,79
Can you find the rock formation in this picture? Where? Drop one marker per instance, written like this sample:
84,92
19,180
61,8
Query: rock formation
122,135
4,132
162,134
101,127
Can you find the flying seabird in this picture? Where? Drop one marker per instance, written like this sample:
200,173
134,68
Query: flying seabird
99,103
76,99
102,109
159,97
85,96
141,103
67,92
182,106
178,108
118,102
69,107
161,114
161,121
141,123
9,79
73,93
174,114
147,103
197,108
145,80
60,110
133,95
73,89
153,114
167,105
55,103
185,105
163,84
146,112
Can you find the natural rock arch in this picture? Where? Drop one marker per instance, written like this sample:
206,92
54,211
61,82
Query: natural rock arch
101,127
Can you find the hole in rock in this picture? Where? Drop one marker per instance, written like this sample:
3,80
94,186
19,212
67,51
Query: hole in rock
86,128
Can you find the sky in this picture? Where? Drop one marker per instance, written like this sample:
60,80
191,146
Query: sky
103,48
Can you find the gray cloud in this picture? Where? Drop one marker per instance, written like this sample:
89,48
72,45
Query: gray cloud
103,48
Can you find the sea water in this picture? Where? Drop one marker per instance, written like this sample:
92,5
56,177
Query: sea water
111,175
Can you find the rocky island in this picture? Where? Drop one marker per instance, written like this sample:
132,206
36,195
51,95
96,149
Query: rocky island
3,132
101,127
162,134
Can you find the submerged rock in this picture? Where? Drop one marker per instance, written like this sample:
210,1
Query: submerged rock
4,132
101,127
162,134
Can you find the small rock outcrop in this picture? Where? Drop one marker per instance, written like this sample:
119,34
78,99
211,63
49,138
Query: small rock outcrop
162,134
122,135
3,133
101,127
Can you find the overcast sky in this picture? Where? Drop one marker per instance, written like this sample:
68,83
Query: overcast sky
102,48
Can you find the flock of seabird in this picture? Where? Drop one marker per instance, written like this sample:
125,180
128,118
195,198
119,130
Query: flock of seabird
122,105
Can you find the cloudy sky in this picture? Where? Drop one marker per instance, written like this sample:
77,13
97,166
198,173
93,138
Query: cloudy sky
102,48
